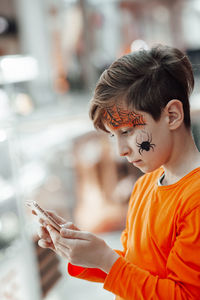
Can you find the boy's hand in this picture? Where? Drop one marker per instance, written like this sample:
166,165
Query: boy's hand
82,248
45,239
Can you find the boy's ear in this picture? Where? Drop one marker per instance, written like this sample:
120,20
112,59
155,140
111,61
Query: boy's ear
175,113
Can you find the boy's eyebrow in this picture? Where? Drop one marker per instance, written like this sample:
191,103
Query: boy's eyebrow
120,128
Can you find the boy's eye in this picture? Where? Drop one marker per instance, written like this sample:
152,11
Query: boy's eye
111,135
125,132
128,131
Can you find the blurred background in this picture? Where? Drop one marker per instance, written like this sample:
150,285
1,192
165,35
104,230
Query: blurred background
51,55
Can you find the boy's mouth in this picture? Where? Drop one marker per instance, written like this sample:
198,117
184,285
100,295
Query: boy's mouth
136,162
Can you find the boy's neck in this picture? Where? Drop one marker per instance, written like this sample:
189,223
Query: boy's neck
185,157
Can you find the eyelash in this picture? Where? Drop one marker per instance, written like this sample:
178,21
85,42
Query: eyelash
127,131
123,133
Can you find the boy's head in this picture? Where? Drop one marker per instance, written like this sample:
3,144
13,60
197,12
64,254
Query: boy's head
142,99
143,81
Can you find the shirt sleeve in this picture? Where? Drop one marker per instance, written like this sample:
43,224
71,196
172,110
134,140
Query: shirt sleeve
90,274
183,269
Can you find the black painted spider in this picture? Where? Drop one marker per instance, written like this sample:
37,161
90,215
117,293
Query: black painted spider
146,145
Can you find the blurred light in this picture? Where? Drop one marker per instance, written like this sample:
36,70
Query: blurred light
7,191
53,184
5,111
196,5
17,68
161,14
23,104
3,135
31,176
138,45
9,226
3,25
90,153
70,1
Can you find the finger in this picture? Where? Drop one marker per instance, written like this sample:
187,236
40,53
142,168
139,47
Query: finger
41,232
69,240
70,225
44,244
44,222
57,239
54,234
34,212
74,234
57,218
53,215
44,234
41,221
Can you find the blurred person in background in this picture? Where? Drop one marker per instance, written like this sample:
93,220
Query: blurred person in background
142,100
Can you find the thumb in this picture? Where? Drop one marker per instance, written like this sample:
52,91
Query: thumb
74,234
70,225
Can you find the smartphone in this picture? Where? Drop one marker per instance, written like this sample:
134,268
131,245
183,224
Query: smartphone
43,214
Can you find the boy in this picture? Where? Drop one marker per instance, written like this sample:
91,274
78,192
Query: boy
142,100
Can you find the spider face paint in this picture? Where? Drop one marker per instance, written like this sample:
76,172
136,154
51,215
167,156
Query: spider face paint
117,117
144,142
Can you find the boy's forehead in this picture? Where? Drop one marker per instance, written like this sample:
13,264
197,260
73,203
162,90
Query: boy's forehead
117,116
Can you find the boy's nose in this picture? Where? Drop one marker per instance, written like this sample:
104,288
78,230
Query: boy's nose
123,150
124,153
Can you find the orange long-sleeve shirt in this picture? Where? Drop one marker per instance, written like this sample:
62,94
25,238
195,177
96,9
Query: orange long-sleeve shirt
161,242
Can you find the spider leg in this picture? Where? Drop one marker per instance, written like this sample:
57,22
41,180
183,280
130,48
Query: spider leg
152,146
138,144
140,151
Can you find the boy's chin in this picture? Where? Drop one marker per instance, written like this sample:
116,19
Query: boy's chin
148,169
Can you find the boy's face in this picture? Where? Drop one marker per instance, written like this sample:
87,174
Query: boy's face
145,143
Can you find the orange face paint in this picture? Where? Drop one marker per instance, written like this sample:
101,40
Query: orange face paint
117,117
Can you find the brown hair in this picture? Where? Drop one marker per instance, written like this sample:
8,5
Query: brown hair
145,80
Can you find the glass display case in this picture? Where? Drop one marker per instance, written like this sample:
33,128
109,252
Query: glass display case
36,164
19,276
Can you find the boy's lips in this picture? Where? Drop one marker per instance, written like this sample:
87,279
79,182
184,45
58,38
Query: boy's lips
136,162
